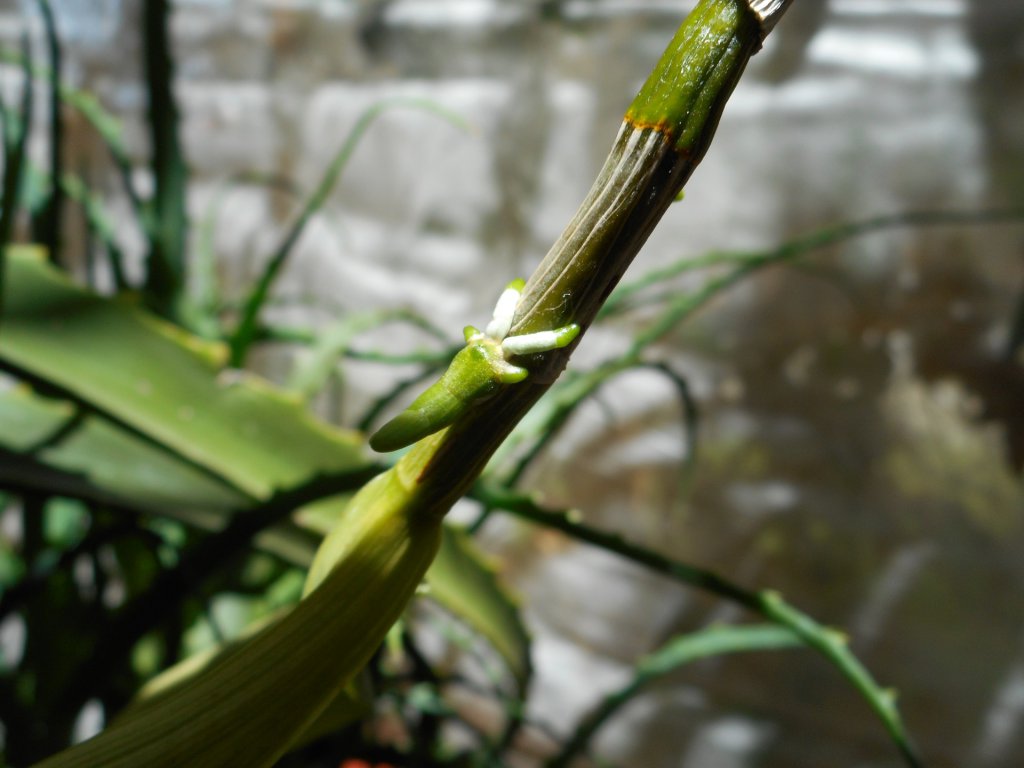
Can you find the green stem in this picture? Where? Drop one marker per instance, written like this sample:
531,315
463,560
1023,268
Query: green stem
580,386
167,223
245,333
713,641
830,643
663,137
50,220
98,223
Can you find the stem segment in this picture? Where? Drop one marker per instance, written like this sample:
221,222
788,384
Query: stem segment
664,135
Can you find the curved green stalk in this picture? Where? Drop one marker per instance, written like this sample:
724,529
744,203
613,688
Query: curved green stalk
830,643
205,304
712,641
245,333
803,245
565,397
108,129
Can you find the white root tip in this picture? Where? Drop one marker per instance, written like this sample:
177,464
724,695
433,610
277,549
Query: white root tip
504,311
531,343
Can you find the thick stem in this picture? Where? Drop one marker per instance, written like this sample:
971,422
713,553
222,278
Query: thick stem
664,135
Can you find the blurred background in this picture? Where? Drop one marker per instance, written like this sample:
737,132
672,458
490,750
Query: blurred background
859,438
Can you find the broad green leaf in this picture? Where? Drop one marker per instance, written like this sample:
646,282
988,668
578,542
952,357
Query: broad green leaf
353,703
253,701
464,583
168,387
48,446
94,458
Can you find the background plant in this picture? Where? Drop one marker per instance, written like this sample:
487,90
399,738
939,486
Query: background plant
170,560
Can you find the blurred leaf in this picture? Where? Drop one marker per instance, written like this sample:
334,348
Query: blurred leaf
254,700
333,343
152,379
62,450
463,582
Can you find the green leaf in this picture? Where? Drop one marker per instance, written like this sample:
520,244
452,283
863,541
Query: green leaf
165,386
464,583
251,702
353,703
59,449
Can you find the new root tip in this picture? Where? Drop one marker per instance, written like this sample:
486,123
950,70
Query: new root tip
505,310
542,341
768,12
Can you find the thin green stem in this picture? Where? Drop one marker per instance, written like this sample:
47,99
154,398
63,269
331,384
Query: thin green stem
830,643
99,223
712,641
803,245
245,333
50,219
308,337
167,223
106,125
207,304
108,128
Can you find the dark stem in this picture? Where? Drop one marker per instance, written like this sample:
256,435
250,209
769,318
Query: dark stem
49,224
167,223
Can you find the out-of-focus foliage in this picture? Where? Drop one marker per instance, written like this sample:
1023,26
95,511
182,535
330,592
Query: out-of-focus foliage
161,505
